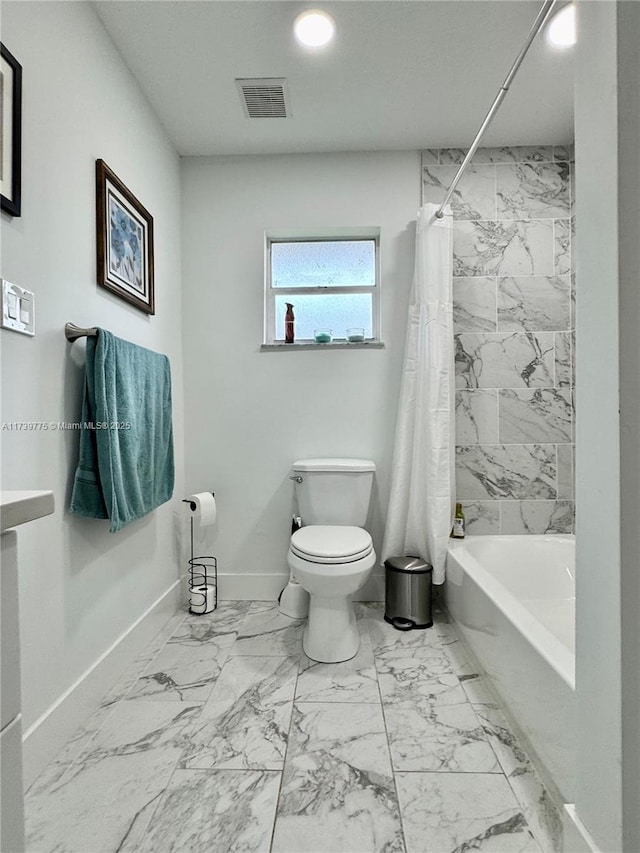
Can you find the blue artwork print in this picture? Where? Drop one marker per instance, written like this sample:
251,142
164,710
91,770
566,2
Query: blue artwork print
125,250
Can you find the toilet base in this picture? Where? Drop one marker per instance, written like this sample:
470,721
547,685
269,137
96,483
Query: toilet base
331,634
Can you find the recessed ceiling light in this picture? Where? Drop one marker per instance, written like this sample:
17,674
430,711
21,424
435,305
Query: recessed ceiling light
561,31
314,28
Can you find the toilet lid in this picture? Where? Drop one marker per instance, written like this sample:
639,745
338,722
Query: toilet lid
324,543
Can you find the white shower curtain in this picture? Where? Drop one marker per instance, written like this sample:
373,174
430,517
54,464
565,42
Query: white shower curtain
421,503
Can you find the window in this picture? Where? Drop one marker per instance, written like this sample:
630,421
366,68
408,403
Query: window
332,282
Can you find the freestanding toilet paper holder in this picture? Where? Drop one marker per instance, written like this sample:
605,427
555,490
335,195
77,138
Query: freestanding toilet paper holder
203,578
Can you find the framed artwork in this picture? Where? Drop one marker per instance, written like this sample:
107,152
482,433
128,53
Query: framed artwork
124,241
11,139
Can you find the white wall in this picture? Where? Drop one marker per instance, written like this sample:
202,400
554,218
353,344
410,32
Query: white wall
629,211
80,586
250,414
607,95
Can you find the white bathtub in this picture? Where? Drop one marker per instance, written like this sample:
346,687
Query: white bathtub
513,600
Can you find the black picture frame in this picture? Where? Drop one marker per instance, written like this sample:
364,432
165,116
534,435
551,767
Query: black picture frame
124,241
11,130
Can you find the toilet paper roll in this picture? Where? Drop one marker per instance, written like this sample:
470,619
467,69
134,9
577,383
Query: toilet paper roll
202,599
202,506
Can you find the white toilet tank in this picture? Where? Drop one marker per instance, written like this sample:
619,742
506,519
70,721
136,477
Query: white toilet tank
334,491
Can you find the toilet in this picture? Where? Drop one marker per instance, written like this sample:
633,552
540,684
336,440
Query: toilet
331,555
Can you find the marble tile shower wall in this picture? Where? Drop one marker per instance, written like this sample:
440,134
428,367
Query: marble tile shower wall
514,299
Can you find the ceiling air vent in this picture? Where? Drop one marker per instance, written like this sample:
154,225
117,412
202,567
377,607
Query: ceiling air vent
264,97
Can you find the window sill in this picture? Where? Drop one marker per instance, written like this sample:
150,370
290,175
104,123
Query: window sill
310,345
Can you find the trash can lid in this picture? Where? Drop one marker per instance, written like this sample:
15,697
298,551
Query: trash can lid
411,565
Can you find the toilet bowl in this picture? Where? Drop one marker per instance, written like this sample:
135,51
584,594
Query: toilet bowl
331,555
331,562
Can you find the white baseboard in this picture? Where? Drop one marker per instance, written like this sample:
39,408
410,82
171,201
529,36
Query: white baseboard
44,738
251,587
576,835
262,587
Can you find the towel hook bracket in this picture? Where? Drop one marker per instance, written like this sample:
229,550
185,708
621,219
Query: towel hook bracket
73,332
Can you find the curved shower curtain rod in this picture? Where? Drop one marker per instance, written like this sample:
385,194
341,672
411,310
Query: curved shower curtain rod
537,25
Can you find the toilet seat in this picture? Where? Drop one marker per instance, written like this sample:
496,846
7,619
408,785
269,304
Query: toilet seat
330,543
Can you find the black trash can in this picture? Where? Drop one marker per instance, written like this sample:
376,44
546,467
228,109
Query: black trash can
408,593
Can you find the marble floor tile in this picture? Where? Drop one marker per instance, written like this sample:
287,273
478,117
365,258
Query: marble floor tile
105,800
168,629
478,691
445,629
135,727
427,735
384,637
187,666
215,811
120,688
244,724
84,734
225,620
265,631
338,794
202,637
406,677
145,776
455,812
99,808
401,666
351,681
123,685
191,682
150,650
541,813
46,781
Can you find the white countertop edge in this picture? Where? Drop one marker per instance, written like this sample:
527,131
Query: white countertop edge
18,507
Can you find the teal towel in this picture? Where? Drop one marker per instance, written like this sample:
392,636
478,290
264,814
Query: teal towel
125,468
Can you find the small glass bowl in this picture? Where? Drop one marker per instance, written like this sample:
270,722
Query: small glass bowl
323,336
355,336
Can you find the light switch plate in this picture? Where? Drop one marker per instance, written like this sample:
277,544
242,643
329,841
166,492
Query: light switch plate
18,309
